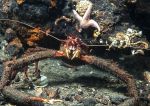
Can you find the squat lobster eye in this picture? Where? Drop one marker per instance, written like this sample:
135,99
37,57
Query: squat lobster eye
72,47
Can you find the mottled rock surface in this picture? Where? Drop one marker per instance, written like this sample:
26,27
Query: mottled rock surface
80,84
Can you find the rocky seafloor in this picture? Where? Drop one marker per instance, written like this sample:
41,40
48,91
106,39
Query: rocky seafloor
75,82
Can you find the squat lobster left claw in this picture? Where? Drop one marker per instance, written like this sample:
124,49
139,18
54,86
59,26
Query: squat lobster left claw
73,47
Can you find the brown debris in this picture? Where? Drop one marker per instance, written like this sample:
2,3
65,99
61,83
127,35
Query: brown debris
20,1
147,76
52,93
79,98
53,3
35,35
17,42
62,18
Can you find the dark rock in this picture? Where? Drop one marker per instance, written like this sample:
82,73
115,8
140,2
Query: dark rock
69,97
38,1
2,100
85,73
89,102
8,8
9,34
67,10
40,10
36,13
142,13
1,69
77,105
117,100
14,50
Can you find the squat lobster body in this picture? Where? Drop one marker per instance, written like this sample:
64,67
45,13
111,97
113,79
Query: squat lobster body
73,47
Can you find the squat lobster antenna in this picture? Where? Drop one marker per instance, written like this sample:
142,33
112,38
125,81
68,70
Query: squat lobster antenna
16,21
108,46
31,27
97,45
58,38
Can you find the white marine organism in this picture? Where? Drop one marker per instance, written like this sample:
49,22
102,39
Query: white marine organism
85,21
133,33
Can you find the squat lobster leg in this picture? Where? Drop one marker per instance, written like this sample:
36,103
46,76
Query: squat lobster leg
10,66
113,67
14,66
24,61
72,48
21,98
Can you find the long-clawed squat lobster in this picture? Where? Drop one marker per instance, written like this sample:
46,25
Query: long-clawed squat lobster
72,48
